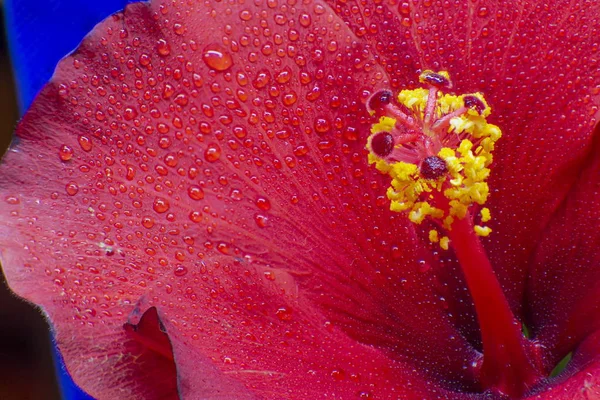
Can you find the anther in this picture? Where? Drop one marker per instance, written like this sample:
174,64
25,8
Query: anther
382,144
433,167
474,103
379,100
434,79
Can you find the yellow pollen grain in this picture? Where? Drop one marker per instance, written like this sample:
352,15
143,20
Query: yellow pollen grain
482,230
444,242
433,236
385,124
485,214
414,99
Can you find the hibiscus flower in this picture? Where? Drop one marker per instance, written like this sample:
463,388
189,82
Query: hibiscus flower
190,201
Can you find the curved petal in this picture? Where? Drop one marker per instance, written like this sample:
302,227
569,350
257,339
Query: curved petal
564,283
220,173
537,66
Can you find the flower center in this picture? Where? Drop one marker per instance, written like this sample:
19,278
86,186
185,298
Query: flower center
437,149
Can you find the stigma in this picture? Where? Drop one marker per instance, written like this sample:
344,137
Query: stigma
437,148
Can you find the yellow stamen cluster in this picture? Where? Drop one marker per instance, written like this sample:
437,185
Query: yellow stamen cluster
467,164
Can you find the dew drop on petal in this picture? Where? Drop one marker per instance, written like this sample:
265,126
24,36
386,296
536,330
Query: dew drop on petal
263,203
284,314
12,200
212,153
195,216
424,266
216,57
180,270
261,220
65,152
85,143
160,205
163,48
147,222
195,192
338,374
72,188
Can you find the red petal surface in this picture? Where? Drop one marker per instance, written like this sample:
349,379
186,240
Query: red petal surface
537,64
234,199
564,290
209,161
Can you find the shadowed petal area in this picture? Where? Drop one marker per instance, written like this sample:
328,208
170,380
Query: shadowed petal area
539,72
564,283
221,175
197,378
580,379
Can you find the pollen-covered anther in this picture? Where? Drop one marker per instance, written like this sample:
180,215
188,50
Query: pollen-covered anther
440,80
382,144
437,149
378,101
474,103
433,167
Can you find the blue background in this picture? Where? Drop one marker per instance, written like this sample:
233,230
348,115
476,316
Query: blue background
40,33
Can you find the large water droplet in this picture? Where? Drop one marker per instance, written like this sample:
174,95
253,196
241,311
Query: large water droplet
180,270
65,152
196,192
72,189
163,48
216,57
160,205
85,143
212,153
263,203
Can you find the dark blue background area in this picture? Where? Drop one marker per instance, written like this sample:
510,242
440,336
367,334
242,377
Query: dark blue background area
40,33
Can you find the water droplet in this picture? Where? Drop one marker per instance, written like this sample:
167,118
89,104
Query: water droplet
180,270
263,203
290,98
129,114
284,76
12,200
196,192
212,153
322,125
195,216
181,99
424,266
147,222
261,220
262,79
72,189
178,29
163,48
338,374
160,205
284,314
85,143
216,57
65,152
245,15
305,20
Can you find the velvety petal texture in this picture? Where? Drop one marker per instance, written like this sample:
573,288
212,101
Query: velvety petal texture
189,199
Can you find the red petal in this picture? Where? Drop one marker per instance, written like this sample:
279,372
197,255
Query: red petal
537,66
564,290
252,224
